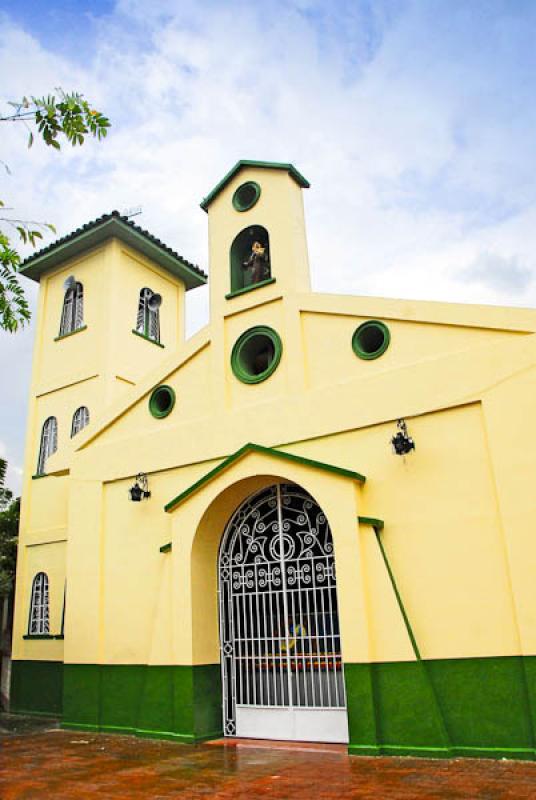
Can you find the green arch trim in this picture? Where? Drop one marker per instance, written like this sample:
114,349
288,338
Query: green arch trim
269,451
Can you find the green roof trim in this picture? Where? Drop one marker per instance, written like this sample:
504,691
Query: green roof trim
102,229
166,548
269,451
377,524
290,168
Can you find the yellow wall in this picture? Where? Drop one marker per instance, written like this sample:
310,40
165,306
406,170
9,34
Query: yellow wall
92,367
458,511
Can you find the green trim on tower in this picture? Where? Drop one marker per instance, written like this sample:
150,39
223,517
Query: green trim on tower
147,338
71,333
36,687
269,451
249,288
290,168
177,702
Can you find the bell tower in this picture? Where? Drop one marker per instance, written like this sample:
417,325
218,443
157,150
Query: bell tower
257,235
111,308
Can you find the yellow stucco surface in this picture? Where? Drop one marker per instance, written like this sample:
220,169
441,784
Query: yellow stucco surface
458,511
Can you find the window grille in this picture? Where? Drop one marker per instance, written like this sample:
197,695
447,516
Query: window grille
49,443
80,420
72,315
148,319
39,615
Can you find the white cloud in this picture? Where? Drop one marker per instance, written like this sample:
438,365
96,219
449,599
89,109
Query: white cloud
418,145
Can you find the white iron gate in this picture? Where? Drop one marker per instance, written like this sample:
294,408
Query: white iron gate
282,669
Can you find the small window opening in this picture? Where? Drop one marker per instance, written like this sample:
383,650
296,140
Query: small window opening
256,354
80,420
246,196
250,258
49,443
39,613
371,339
72,315
148,319
162,401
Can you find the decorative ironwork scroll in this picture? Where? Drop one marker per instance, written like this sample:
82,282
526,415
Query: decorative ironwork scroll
279,625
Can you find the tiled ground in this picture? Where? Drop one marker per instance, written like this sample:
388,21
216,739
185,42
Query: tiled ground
66,765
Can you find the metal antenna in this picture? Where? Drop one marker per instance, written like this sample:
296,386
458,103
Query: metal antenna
134,211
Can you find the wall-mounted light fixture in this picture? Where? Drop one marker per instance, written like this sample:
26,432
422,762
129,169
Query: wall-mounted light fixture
402,442
140,490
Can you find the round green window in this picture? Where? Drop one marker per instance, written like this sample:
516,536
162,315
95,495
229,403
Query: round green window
371,339
246,196
162,401
256,354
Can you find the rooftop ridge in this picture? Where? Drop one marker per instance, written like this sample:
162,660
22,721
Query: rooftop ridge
33,266
244,162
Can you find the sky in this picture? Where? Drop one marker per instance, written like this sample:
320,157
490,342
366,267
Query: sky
414,121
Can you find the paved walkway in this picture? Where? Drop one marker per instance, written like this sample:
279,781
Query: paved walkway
66,765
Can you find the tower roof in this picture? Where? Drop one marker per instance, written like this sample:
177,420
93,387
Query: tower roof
290,168
107,227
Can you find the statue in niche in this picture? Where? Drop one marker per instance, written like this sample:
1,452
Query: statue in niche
258,262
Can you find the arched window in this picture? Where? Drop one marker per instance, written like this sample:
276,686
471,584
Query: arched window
49,443
39,616
148,320
80,420
250,258
72,315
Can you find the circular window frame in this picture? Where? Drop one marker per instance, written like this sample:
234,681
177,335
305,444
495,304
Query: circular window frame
236,363
237,205
153,408
357,348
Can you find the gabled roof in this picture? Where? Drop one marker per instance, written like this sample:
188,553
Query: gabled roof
107,227
269,451
290,168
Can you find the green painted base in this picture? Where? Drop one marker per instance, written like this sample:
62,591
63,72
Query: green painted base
474,707
177,737
36,687
171,702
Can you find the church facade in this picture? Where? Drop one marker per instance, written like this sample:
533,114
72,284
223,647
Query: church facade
312,520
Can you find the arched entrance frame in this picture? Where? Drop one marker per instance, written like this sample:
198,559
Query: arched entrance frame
198,526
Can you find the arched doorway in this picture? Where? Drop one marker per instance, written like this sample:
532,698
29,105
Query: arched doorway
282,670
